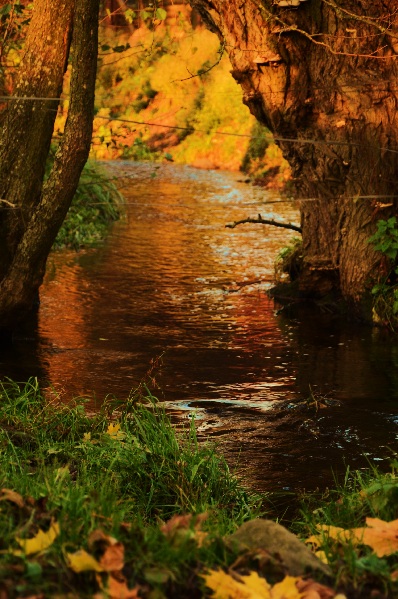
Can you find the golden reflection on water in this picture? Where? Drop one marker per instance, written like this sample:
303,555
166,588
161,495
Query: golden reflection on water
172,279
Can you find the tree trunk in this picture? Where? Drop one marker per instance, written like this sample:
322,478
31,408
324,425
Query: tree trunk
324,73
31,213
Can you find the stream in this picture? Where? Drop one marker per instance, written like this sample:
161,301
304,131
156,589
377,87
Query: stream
290,401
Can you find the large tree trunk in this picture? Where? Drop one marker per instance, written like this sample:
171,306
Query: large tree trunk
31,213
327,75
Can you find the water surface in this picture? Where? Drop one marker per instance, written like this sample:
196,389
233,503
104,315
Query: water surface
172,280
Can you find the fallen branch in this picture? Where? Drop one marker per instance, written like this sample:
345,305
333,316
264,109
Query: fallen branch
263,221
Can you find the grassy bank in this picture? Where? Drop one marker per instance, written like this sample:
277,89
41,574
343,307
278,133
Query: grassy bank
119,504
354,528
123,472
96,204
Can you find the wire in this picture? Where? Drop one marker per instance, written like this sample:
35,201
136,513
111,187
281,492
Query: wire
248,135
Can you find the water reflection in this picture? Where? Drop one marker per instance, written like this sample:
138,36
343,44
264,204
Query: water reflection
171,279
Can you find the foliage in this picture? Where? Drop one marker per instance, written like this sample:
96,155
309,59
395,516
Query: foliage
65,476
96,204
385,239
385,292
350,527
163,78
123,502
289,260
14,17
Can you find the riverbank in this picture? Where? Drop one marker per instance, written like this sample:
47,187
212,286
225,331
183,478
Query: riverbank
119,504
96,205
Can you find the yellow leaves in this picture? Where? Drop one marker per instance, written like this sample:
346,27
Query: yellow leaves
233,586
287,589
38,543
81,561
112,559
336,533
225,586
114,432
111,563
379,535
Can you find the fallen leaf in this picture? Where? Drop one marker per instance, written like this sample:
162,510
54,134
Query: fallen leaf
40,542
98,536
115,589
176,522
113,558
114,432
286,589
179,528
13,496
87,437
381,536
310,589
321,555
257,584
81,561
224,586
342,535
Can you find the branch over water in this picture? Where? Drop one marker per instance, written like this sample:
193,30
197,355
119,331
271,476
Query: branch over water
264,221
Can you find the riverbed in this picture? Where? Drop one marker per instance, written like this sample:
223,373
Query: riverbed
291,401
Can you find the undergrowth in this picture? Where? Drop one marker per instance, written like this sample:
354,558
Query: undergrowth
120,498
385,291
360,569
123,471
96,204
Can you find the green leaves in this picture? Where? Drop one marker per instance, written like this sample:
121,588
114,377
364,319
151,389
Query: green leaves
160,14
385,239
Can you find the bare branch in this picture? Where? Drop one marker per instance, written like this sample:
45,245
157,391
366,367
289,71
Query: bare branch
201,72
264,221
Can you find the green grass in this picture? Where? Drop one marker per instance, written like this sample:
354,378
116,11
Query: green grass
96,204
124,470
362,494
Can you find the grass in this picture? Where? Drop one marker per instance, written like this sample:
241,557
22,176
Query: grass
96,204
124,471
124,482
356,567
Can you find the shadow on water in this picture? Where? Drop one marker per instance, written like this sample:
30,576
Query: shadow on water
171,279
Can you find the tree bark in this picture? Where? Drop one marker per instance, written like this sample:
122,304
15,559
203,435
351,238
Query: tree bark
31,212
324,73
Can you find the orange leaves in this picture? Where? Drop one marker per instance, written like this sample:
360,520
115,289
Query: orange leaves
379,535
13,496
180,529
115,589
111,563
233,586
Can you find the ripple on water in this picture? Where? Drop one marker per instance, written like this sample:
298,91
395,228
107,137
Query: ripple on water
172,280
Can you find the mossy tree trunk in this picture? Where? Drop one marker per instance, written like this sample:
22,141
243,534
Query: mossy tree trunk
326,72
31,211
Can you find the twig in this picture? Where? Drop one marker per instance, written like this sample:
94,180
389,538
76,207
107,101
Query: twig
201,72
264,221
